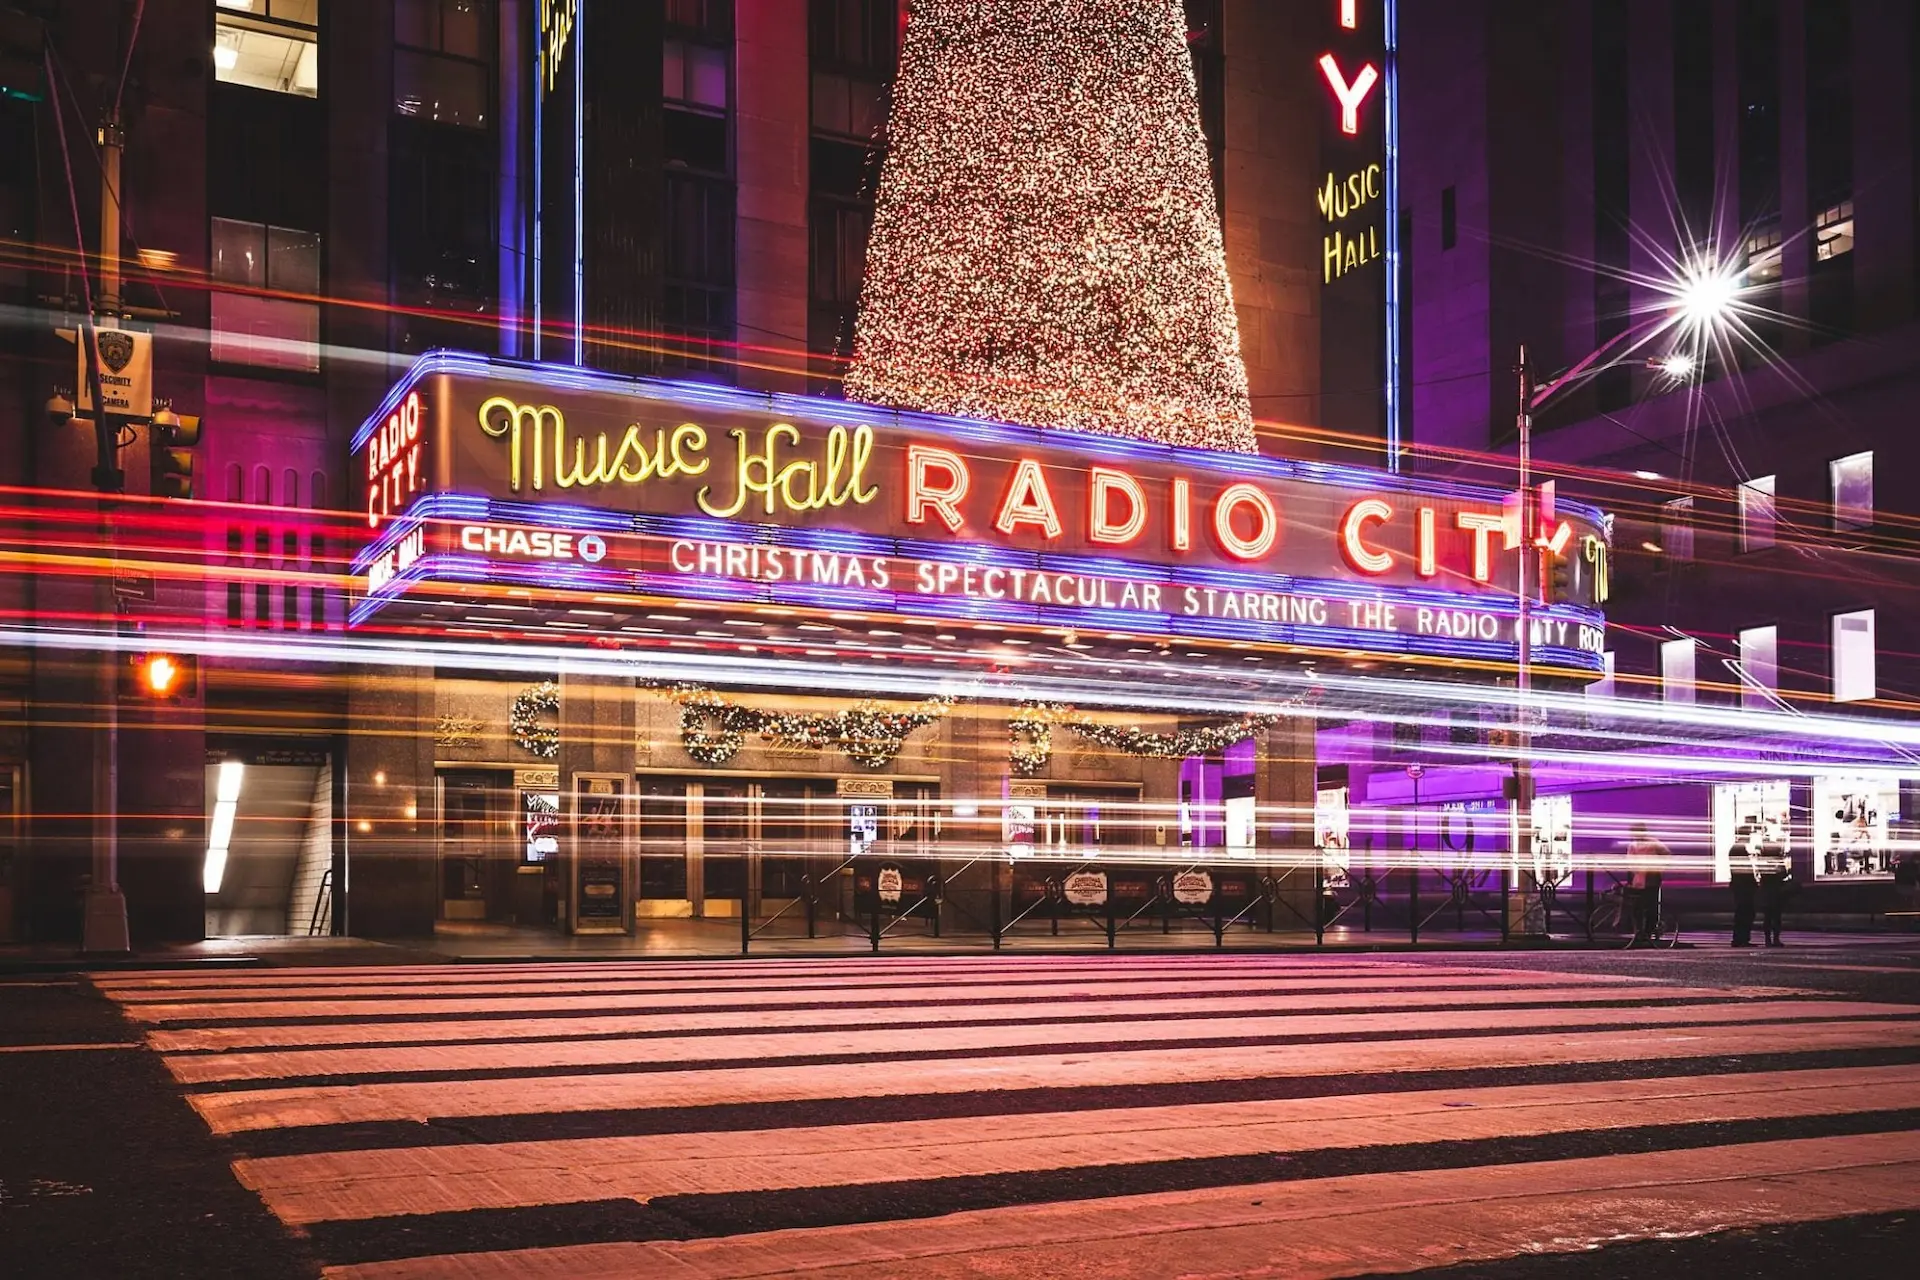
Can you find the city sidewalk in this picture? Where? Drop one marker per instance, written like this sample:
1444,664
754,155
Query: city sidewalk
719,939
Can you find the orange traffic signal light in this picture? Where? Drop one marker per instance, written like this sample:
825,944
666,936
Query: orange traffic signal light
159,677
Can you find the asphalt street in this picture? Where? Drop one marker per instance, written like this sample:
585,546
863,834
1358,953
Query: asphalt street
1683,1113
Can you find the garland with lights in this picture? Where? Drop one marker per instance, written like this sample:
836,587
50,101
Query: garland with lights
866,732
712,746
1177,745
530,733
1046,246
1030,736
713,728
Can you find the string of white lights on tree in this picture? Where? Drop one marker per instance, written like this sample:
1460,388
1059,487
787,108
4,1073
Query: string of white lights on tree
1046,247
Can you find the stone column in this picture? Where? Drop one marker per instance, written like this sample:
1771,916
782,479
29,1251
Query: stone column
392,819
1283,794
596,736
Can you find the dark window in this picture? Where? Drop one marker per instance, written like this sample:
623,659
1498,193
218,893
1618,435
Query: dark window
852,48
1830,167
1612,296
698,280
1449,229
1404,322
1693,122
1757,66
1757,56
712,19
853,33
1209,77
442,231
840,252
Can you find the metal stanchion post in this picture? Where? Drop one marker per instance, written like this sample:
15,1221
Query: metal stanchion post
1413,901
1319,916
993,900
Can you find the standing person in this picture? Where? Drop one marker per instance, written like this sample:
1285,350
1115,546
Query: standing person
1647,857
1740,867
1771,867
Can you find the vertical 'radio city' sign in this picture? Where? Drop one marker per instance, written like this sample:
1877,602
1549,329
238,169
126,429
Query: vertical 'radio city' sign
1349,196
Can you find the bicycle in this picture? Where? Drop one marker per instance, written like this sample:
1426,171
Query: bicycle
1620,917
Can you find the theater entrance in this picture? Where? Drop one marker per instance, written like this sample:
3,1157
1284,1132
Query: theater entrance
710,847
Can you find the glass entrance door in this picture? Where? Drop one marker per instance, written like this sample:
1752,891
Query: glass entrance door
715,847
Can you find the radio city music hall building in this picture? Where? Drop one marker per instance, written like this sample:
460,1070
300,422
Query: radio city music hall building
808,648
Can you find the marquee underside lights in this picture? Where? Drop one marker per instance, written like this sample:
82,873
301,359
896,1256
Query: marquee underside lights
1046,246
820,504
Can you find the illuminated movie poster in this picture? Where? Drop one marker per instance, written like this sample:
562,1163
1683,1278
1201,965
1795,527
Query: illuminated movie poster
1747,811
1331,824
1853,821
1552,840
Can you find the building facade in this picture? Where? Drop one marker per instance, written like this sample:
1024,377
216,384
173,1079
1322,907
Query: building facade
314,194
1562,166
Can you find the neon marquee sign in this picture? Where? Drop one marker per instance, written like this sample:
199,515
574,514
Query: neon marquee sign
656,489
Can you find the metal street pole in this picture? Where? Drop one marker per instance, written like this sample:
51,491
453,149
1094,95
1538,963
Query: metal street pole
1522,825
104,926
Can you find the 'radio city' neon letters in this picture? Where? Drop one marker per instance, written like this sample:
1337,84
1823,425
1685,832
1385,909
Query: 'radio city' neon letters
1266,521
1349,95
394,474
1106,485
1353,544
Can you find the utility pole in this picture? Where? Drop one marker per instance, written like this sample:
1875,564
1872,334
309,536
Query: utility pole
1522,825
104,928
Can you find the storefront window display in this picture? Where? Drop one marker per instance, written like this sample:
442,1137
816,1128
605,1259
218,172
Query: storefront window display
1853,820
1331,825
1761,811
1552,841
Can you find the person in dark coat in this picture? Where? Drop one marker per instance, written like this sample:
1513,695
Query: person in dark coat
1647,858
1770,867
1745,886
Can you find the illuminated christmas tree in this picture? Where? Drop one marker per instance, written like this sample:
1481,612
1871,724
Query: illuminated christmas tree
1046,248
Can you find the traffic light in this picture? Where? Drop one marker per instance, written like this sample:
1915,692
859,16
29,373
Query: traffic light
1560,578
23,74
169,452
159,677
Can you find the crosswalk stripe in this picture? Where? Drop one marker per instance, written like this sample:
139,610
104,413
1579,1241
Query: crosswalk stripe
1369,1223
359,1100
247,1109
849,1044
574,1026
344,1185
372,1006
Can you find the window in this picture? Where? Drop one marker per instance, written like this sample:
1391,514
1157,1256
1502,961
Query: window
1852,479
840,252
442,61
848,106
1833,232
268,44
1676,671
1854,679
1763,254
1676,529
1449,229
693,75
1759,666
248,328
1756,514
